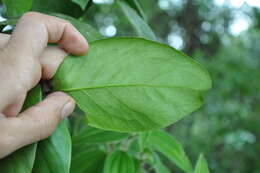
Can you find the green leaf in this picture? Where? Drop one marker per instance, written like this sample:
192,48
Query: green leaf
119,162
54,153
15,8
141,27
81,3
136,5
57,6
171,148
93,135
143,139
201,166
87,158
133,84
22,160
88,31
159,166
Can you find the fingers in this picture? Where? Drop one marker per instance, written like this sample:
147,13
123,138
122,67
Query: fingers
34,124
13,109
4,38
35,30
50,60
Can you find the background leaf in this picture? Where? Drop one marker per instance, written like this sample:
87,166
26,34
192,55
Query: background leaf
15,8
93,135
201,166
171,148
81,3
58,6
87,158
141,27
159,166
136,5
164,85
144,139
54,153
22,160
119,162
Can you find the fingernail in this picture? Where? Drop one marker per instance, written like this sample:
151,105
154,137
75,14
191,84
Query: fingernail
67,109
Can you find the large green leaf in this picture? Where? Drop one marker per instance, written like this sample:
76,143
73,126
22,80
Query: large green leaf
133,84
93,135
171,148
22,160
201,166
119,162
88,31
136,5
16,8
54,153
87,158
141,27
82,3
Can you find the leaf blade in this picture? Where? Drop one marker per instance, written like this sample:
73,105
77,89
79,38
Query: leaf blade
141,27
93,135
164,85
171,148
87,158
15,8
53,151
119,162
201,166
136,5
82,3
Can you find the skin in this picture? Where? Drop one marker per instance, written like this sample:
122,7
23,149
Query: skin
25,59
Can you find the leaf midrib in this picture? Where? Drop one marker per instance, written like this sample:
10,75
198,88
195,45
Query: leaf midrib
128,85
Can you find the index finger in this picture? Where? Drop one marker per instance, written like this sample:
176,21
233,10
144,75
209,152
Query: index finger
35,30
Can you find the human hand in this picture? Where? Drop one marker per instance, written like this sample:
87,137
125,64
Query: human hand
24,60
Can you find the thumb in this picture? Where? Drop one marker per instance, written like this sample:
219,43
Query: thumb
38,122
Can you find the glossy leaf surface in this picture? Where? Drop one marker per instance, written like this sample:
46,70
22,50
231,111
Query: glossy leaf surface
22,160
54,153
132,84
171,148
201,166
119,162
141,27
